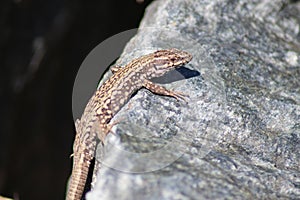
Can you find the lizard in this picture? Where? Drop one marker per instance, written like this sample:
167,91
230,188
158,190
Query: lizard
95,122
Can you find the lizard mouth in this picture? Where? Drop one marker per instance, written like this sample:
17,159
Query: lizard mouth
187,57
183,58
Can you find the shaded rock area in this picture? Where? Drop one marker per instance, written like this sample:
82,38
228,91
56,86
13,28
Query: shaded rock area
238,134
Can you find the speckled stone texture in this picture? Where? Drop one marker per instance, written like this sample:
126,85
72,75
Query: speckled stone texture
238,134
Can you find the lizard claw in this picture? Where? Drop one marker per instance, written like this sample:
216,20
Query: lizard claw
180,95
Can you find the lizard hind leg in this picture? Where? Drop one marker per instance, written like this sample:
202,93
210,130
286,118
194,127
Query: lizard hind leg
106,129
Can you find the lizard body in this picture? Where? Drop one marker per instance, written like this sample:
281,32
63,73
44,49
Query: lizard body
108,100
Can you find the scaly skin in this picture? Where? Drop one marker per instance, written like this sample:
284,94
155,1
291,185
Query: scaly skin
108,100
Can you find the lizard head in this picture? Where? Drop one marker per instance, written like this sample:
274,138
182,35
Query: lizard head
169,59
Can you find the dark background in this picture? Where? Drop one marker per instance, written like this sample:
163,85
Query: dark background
42,44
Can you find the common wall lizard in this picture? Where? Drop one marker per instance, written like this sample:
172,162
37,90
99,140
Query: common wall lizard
108,100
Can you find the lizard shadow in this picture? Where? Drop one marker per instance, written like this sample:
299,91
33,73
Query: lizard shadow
176,75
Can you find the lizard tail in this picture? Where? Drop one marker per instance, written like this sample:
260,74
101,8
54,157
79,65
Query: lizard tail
78,178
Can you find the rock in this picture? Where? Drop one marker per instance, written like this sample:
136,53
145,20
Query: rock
238,134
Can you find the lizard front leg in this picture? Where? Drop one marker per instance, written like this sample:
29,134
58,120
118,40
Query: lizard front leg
163,91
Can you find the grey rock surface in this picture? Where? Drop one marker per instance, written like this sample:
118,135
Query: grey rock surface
238,134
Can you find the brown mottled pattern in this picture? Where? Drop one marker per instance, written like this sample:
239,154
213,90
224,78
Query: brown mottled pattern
108,100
